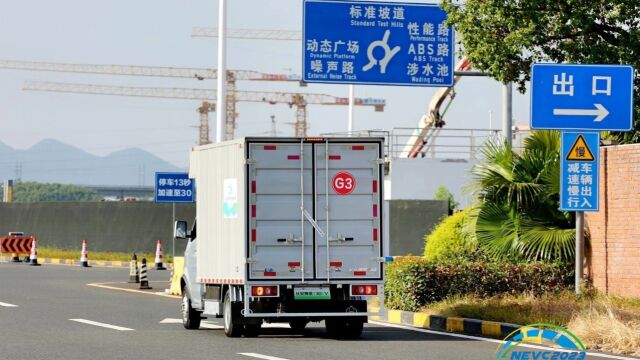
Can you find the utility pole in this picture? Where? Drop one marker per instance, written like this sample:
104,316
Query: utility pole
222,70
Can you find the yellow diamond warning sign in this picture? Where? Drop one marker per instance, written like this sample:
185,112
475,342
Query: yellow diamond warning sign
580,151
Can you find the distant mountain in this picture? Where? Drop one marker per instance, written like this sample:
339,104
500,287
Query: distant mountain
53,161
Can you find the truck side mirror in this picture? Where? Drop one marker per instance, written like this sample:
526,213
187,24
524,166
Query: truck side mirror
180,229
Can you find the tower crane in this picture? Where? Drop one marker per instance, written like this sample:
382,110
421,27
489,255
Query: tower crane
208,96
162,71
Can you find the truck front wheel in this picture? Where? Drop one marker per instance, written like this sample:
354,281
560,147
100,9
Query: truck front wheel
190,317
230,329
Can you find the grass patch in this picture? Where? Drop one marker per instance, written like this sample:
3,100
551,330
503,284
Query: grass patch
604,323
54,253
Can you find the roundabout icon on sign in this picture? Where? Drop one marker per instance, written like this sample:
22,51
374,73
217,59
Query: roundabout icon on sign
343,183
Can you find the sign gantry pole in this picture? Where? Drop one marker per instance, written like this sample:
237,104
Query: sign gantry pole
350,122
507,113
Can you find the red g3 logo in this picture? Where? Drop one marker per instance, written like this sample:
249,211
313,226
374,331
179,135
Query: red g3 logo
343,183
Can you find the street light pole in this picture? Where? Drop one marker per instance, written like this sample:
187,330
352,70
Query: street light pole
222,71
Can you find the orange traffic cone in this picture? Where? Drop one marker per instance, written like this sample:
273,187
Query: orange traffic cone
33,258
84,261
159,265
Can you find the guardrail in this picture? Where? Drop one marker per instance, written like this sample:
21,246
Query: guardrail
438,144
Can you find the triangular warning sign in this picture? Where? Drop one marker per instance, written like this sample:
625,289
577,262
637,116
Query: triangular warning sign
580,151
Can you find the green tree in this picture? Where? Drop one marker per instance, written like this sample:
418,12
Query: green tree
443,194
518,194
26,192
505,37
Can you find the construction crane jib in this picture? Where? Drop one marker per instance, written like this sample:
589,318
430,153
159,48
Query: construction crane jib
208,96
163,71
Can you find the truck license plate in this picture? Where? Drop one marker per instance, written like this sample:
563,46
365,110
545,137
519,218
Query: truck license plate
311,293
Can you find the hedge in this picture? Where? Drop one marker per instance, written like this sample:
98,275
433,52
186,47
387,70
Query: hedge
414,282
448,239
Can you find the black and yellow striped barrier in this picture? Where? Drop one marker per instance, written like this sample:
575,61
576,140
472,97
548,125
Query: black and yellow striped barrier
458,325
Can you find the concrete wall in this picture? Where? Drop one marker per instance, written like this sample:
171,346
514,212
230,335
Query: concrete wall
135,226
419,179
615,230
107,226
410,221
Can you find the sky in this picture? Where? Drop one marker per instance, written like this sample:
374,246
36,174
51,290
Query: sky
158,32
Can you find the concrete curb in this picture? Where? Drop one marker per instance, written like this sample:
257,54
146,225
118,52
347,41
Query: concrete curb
473,327
94,263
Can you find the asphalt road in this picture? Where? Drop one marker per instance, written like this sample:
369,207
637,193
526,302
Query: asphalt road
47,297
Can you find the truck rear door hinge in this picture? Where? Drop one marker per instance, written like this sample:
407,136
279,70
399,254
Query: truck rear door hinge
250,261
379,259
379,161
250,162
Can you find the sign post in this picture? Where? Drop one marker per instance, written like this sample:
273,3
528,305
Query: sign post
173,188
579,184
590,98
377,43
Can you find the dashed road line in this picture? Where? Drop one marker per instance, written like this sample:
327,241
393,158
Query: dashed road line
7,305
108,326
260,356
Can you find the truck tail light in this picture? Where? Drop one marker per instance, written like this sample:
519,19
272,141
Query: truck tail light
364,290
258,291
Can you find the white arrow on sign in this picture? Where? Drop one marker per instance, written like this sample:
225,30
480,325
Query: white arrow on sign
600,112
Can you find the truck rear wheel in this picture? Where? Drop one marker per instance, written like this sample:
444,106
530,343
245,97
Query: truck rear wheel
230,329
298,325
341,328
190,317
251,330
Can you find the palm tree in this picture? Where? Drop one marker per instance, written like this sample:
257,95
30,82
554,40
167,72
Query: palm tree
518,195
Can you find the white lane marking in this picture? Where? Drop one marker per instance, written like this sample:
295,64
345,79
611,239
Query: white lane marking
108,326
276,326
105,286
7,305
462,336
203,324
170,321
260,356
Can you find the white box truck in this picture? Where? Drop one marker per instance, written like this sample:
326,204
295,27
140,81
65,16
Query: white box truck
288,230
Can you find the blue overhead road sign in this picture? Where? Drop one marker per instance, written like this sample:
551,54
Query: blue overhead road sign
579,165
174,187
383,43
582,97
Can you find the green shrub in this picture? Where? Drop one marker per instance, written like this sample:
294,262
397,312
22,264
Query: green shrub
449,240
414,282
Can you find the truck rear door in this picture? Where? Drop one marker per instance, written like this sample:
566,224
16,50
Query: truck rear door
332,180
280,176
347,185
